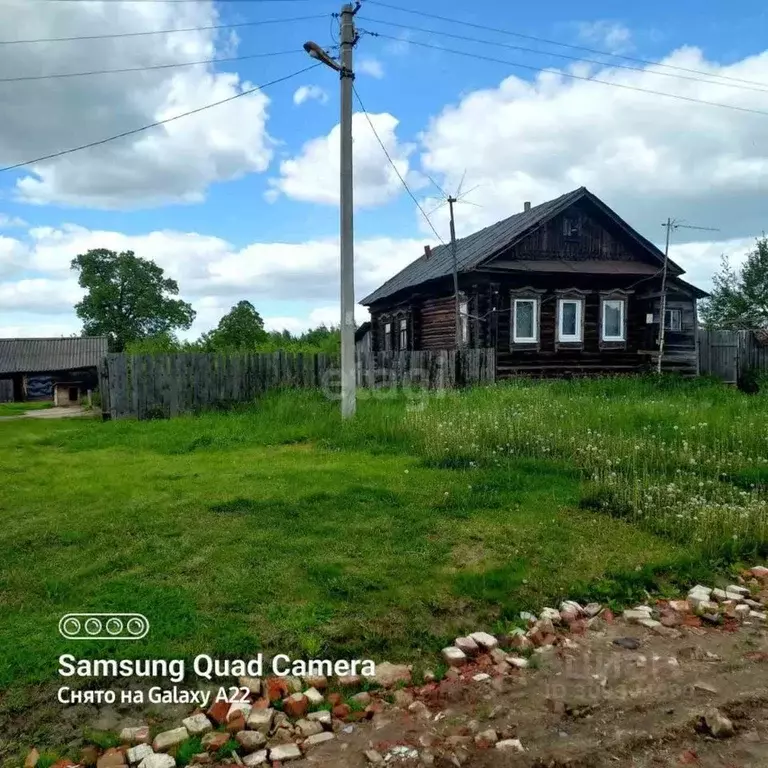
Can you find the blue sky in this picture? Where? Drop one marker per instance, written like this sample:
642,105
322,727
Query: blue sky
215,197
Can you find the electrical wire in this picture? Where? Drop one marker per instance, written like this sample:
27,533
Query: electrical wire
572,76
392,163
107,2
563,55
58,75
113,35
157,123
487,28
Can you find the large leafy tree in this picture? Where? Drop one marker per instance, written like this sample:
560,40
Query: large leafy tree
241,328
740,298
127,298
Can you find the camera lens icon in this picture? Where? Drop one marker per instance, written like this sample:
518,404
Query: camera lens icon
104,626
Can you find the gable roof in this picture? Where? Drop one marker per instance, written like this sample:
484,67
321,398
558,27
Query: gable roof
51,354
473,250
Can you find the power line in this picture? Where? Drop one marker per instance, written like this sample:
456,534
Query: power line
395,168
645,62
165,31
158,122
164,1
58,75
564,55
570,75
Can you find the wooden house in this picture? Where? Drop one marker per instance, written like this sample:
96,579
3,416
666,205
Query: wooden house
562,288
62,370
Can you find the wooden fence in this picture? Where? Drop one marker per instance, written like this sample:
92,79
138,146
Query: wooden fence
728,354
163,386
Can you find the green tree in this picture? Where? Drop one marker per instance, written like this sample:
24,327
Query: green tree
241,328
127,298
740,298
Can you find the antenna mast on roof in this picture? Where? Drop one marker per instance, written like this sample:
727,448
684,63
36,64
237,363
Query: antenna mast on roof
451,199
670,224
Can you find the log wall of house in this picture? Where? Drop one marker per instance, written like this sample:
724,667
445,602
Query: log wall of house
490,304
437,323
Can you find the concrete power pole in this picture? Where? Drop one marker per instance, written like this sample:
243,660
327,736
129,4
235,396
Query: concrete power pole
348,380
457,307
346,203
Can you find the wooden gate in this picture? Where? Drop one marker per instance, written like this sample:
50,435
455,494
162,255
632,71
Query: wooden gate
719,354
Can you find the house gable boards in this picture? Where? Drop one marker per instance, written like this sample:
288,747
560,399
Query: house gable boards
581,232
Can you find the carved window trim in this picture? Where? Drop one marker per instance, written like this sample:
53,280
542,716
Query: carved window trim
527,293
577,338
607,297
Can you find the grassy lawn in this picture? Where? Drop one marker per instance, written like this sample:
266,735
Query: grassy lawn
275,529
15,409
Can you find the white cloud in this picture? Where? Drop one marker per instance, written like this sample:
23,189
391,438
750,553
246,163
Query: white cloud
40,295
647,156
611,35
31,327
328,316
172,163
9,222
306,92
701,260
371,67
212,274
313,175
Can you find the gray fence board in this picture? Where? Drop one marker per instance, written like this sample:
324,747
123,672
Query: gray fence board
146,386
728,354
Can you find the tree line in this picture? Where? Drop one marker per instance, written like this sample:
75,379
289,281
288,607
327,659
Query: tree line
130,300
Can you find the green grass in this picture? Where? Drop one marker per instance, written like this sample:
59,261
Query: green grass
15,409
275,529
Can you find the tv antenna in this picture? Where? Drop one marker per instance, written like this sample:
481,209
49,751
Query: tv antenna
671,225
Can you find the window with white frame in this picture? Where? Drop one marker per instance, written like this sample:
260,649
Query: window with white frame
404,334
387,337
673,319
570,314
464,317
525,321
614,311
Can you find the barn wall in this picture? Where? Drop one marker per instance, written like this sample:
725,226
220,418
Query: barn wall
6,390
39,386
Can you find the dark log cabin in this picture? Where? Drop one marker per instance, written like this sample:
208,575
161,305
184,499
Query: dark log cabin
564,288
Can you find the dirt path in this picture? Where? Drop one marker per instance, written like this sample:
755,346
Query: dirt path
49,413
594,705
588,704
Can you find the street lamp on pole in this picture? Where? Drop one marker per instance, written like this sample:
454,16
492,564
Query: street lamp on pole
344,68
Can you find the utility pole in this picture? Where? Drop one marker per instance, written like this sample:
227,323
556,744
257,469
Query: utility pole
670,224
348,380
457,304
346,203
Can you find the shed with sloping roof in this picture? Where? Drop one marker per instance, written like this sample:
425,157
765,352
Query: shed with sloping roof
61,369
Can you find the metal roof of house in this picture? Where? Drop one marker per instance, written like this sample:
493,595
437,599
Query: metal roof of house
471,251
51,354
